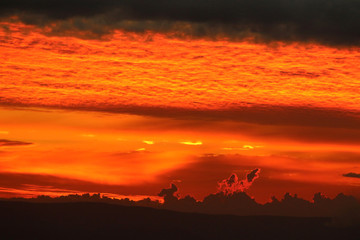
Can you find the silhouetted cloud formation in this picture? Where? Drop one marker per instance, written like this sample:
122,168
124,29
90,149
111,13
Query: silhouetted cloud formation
168,194
330,22
343,209
232,184
9,143
253,175
352,175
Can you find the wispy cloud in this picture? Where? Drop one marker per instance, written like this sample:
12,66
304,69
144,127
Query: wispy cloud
10,143
243,148
192,143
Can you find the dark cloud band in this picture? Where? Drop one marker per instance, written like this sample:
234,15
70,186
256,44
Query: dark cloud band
335,22
352,175
9,143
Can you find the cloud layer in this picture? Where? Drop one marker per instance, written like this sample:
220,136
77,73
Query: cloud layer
9,143
330,22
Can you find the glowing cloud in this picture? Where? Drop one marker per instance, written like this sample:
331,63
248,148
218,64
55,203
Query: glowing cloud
233,184
148,142
244,147
192,143
248,147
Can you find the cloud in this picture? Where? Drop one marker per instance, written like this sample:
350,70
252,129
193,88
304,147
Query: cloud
232,184
250,177
329,22
192,143
352,175
308,124
201,175
9,143
168,194
257,114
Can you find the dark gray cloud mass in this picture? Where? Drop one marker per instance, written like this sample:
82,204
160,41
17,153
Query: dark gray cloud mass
352,175
335,22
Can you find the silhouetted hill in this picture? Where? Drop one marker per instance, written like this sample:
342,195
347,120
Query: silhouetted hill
91,220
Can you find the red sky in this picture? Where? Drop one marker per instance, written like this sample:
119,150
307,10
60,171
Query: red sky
130,113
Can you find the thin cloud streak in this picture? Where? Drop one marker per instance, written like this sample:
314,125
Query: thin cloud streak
192,143
10,143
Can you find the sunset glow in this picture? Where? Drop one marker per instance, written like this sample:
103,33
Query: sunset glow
129,113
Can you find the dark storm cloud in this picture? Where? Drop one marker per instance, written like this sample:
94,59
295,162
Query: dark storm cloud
352,175
326,21
9,143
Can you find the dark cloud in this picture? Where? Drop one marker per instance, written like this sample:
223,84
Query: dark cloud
275,122
233,184
258,114
168,194
352,175
263,122
330,22
9,143
240,203
202,176
253,174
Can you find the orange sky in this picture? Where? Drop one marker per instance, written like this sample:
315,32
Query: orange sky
132,113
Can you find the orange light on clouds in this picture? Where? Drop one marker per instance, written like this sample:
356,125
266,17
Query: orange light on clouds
152,70
131,111
61,150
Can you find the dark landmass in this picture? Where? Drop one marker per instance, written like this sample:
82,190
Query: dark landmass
228,213
344,208
95,220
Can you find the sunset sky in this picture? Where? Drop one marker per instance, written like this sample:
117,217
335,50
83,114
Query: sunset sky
126,97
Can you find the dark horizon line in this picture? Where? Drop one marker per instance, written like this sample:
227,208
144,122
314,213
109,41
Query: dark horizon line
238,203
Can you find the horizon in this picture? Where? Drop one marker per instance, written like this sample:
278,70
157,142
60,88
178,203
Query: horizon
343,210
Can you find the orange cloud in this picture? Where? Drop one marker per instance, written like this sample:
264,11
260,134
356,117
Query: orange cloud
192,143
172,77
94,102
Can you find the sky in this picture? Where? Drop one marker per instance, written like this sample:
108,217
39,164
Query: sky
128,97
